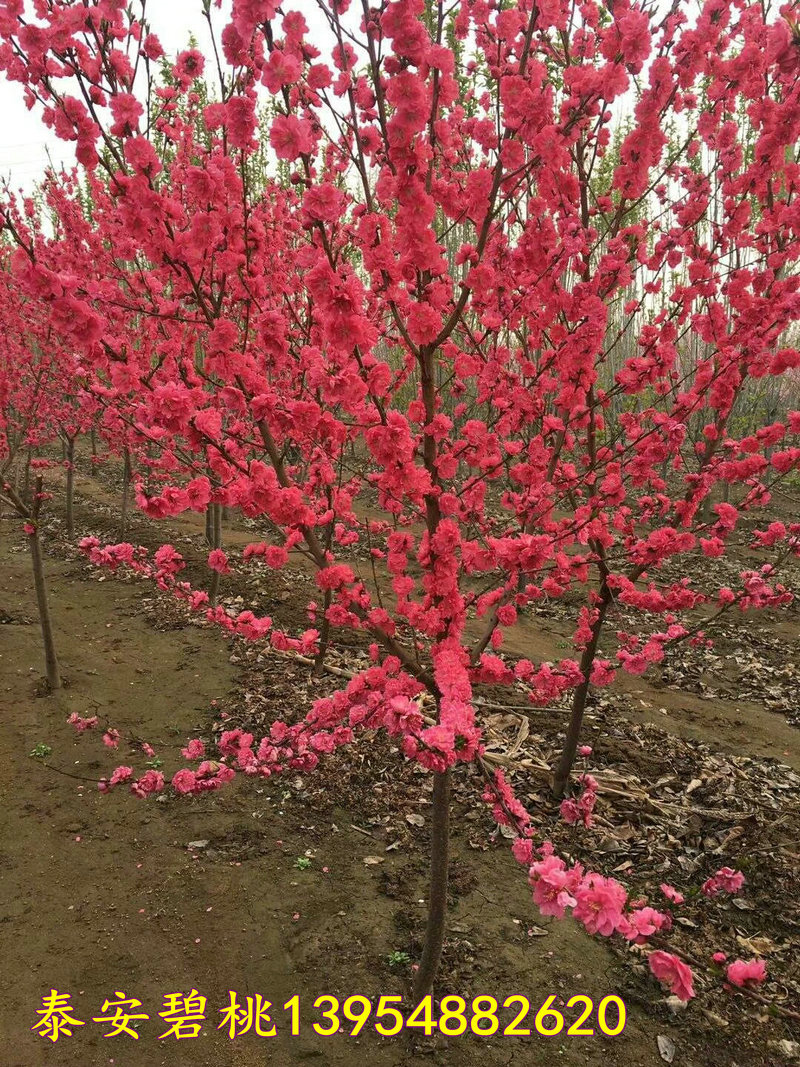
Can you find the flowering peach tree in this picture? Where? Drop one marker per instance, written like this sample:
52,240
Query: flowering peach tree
38,404
436,294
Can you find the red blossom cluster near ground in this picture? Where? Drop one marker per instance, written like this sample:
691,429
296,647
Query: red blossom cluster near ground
483,292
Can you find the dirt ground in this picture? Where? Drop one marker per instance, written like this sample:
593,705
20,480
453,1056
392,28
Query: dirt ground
104,894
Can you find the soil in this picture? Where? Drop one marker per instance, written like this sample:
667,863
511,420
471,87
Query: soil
315,886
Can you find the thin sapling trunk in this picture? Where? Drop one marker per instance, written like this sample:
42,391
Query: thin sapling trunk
216,542
30,514
50,659
210,525
126,484
437,893
324,637
568,752
70,461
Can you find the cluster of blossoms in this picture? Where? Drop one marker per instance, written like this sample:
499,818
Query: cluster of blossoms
580,811
602,904
746,973
82,724
724,881
382,697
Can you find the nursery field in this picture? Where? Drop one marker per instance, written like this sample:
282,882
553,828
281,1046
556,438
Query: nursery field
315,885
399,533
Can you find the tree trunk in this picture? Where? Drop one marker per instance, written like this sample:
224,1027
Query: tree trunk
126,485
70,487
26,483
564,766
210,525
324,637
437,894
50,658
707,513
216,542
19,468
